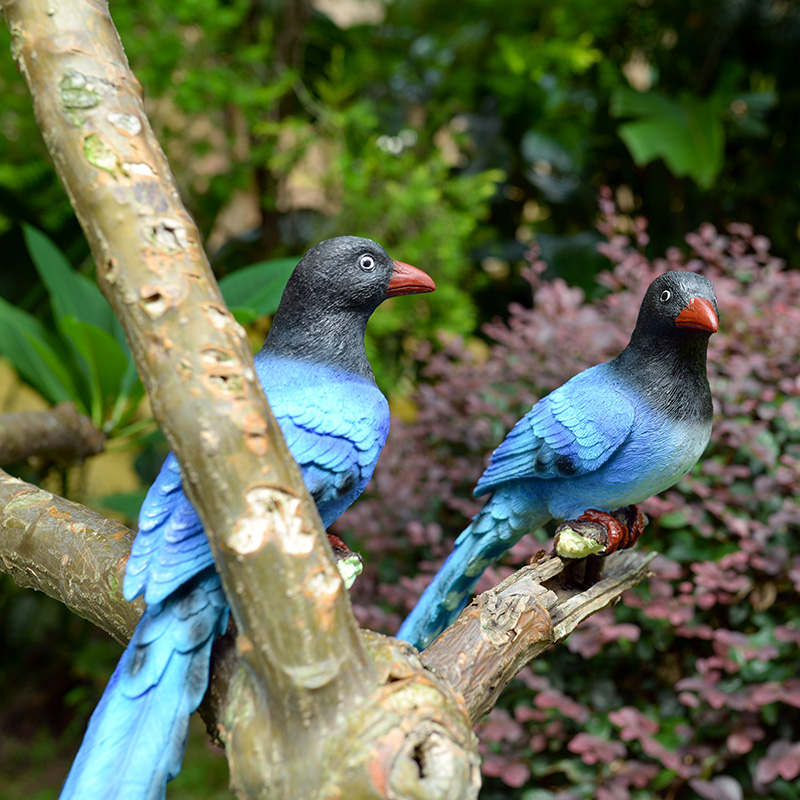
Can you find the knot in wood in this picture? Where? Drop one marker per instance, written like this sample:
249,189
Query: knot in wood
500,614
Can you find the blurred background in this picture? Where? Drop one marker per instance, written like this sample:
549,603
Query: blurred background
542,161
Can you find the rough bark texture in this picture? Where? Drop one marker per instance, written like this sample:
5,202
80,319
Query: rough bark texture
59,433
508,626
68,552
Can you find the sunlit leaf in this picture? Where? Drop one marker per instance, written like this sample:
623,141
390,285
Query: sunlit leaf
687,134
69,291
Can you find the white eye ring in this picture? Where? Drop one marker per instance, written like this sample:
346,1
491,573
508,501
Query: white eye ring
366,262
665,295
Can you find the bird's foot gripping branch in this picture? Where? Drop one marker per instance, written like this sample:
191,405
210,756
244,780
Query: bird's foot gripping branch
599,532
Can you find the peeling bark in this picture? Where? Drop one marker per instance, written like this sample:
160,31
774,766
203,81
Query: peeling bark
59,433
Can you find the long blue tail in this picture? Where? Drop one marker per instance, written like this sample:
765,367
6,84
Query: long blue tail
143,716
500,524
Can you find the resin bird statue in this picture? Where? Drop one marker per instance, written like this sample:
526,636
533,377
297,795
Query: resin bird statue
609,438
319,383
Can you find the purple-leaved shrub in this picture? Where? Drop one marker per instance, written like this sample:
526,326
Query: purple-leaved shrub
690,687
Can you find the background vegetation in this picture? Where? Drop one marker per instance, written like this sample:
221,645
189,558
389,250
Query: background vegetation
469,138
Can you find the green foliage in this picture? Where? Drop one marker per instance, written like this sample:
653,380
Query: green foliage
451,132
688,135
84,356
239,101
255,291
35,353
423,217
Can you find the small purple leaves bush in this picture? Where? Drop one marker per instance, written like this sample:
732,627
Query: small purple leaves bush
690,688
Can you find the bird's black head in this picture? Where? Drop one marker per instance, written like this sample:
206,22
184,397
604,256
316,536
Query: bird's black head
330,296
679,303
666,357
351,274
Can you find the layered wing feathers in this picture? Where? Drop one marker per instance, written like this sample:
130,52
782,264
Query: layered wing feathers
570,432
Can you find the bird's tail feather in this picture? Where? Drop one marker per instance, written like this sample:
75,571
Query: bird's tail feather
137,734
500,524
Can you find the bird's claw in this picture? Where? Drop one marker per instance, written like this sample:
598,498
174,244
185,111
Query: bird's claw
599,533
633,521
580,538
349,563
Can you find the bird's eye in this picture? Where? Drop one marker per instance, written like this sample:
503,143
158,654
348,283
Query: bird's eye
366,262
665,295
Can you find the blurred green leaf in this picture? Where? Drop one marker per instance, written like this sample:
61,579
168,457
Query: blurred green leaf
687,134
255,291
127,503
70,292
104,361
674,519
102,372
36,355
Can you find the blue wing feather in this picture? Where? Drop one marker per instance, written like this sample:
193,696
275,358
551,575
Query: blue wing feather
570,432
335,434
137,735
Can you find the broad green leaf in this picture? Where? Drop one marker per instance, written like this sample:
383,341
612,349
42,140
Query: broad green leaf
630,103
36,355
688,134
255,291
673,519
130,383
104,362
69,291
131,390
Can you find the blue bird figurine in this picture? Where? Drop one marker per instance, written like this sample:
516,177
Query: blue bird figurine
609,438
319,383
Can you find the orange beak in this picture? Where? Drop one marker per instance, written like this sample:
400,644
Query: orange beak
408,280
699,315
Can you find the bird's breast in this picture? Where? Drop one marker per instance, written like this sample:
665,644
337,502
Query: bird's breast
657,454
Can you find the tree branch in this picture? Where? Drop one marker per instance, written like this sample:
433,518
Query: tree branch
68,552
59,433
507,627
